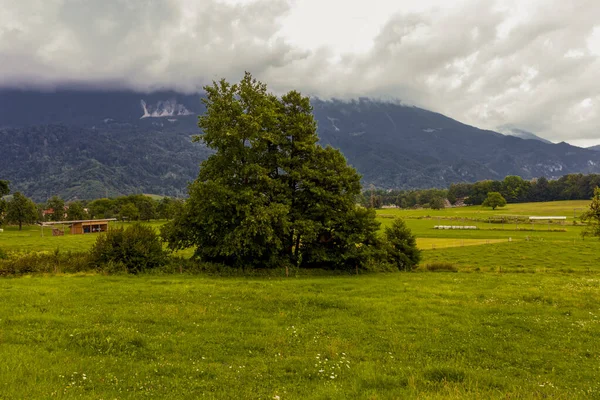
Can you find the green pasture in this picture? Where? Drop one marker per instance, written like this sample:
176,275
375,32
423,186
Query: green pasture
490,246
30,239
567,208
521,256
405,335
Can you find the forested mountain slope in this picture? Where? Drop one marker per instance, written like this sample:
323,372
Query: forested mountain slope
87,144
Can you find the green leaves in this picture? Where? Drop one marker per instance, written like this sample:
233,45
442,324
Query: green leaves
592,216
21,210
402,246
494,199
270,195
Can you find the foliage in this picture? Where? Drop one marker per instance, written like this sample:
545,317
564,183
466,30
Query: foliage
168,207
102,208
4,190
57,205
592,216
45,263
21,210
494,199
146,207
437,203
129,212
136,248
76,211
402,246
270,196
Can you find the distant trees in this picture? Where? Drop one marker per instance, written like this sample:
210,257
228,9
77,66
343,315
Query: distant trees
129,212
4,190
270,196
102,208
494,199
167,208
514,189
76,211
56,206
592,216
437,203
21,210
137,207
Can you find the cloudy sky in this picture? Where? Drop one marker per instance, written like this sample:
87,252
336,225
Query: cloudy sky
531,64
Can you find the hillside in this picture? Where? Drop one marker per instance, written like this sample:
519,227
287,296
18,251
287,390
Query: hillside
88,144
595,148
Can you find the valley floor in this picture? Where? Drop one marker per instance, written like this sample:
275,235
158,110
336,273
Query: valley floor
520,319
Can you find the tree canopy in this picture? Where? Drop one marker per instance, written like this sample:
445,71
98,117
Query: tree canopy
76,211
21,210
270,195
494,199
56,206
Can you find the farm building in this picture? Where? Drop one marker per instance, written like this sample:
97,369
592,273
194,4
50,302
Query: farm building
83,226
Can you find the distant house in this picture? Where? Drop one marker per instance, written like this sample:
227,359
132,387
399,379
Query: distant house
50,211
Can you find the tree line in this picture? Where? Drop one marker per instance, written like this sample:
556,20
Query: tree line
512,188
20,210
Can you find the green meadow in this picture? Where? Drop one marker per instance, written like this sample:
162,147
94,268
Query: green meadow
520,320
404,335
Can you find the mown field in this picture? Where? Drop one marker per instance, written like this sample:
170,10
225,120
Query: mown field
520,320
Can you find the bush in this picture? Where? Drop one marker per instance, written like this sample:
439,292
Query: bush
402,246
3,255
441,267
49,263
134,249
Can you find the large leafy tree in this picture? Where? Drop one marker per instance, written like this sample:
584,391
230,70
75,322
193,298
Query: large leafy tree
494,200
592,216
270,195
21,210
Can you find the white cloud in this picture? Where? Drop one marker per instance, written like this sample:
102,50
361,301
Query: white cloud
533,64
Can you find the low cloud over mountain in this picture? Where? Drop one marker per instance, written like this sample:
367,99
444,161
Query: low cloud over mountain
532,64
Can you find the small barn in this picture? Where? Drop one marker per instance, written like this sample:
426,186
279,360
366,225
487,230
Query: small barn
84,226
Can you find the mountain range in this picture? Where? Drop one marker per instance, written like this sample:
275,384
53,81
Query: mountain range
93,143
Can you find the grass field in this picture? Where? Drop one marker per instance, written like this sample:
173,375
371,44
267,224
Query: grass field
419,335
568,208
484,332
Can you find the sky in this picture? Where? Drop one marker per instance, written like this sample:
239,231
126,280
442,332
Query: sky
526,64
